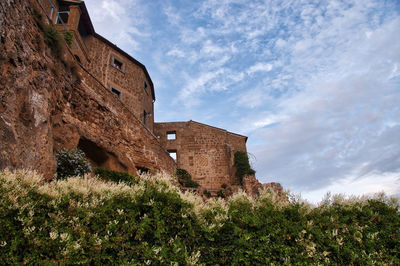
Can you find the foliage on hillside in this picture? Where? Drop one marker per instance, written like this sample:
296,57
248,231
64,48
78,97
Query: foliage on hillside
89,221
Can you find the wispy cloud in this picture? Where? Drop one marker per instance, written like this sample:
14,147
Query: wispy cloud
259,67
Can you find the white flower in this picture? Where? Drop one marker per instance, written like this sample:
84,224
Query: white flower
98,241
53,235
64,237
157,250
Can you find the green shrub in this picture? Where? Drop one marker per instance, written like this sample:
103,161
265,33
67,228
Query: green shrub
206,193
242,165
185,179
72,163
69,37
114,176
87,221
53,38
221,193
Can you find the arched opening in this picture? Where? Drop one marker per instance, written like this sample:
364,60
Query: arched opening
99,156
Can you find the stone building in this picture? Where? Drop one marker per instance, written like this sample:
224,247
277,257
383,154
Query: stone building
125,77
206,152
93,96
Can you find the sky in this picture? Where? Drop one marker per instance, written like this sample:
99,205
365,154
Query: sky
315,85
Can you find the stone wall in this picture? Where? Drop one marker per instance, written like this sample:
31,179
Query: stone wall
49,102
130,80
204,151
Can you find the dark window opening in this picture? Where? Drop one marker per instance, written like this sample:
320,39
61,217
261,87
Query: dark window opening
117,64
116,92
62,17
173,154
171,135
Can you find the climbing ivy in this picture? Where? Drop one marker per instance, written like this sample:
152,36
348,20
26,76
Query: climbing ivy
242,165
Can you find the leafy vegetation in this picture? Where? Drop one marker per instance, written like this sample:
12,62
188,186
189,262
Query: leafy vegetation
185,179
72,163
207,193
69,37
87,221
53,38
242,165
221,193
114,176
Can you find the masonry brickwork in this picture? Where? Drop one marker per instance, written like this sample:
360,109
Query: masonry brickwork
134,84
206,152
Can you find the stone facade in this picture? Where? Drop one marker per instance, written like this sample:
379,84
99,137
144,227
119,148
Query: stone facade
204,151
130,79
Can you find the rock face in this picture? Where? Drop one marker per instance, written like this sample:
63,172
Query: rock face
252,186
49,102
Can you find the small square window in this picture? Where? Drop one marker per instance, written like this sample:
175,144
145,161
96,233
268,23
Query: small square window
117,64
173,154
116,92
171,135
62,17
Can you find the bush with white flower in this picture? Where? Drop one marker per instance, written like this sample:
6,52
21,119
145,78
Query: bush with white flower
72,163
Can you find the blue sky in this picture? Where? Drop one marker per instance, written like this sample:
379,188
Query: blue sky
314,85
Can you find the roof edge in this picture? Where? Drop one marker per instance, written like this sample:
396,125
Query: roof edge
192,121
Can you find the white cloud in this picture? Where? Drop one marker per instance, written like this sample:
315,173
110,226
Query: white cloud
259,67
120,21
176,52
269,120
389,183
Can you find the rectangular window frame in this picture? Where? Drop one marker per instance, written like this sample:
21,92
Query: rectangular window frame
60,20
120,65
171,154
171,135
115,91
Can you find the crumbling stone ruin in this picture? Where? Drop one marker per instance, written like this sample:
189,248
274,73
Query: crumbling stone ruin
85,92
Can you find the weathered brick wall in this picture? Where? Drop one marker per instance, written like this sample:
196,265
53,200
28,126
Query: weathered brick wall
204,151
49,102
130,80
